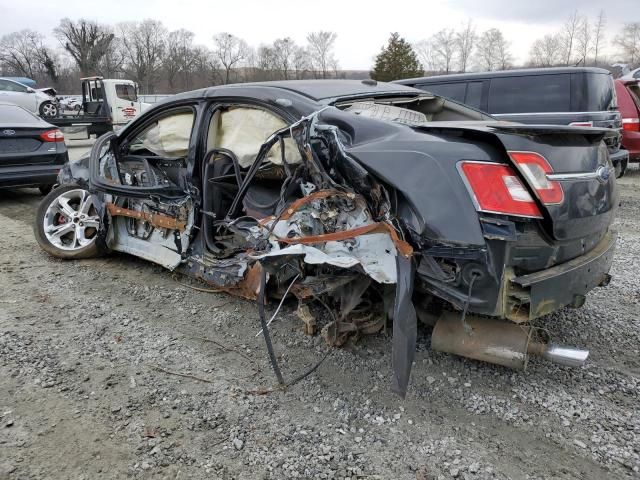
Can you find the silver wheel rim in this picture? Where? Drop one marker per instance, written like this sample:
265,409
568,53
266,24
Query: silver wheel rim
71,221
49,110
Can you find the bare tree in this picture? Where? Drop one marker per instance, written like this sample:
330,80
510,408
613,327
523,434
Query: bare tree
569,33
229,50
426,55
629,42
300,61
505,59
598,35
179,57
465,40
321,51
283,49
24,53
492,51
265,62
144,45
112,62
444,46
86,41
546,51
206,66
584,40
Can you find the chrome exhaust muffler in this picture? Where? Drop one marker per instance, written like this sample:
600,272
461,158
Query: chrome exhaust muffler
499,342
568,356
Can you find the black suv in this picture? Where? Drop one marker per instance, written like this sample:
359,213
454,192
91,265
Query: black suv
558,96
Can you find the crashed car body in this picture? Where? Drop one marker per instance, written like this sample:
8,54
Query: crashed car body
376,200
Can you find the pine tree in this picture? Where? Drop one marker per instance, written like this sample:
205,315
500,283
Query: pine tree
397,60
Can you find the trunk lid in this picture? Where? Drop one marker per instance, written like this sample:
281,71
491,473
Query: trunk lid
581,165
23,146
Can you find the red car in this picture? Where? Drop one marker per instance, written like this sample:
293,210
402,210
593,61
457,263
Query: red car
628,93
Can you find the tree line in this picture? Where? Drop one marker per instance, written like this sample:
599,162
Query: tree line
582,41
164,61
159,60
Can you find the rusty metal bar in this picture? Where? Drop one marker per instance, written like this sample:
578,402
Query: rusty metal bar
377,227
156,219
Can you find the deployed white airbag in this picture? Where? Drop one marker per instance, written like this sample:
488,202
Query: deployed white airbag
169,137
243,131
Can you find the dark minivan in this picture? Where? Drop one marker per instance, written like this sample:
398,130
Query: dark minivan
558,96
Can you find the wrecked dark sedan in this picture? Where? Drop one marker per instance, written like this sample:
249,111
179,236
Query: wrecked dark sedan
368,202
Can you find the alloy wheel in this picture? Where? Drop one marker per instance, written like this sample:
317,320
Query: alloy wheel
49,110
71,221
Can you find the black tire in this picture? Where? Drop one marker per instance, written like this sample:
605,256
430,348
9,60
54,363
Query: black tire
48,109
623,170
97,246
618,170
45,189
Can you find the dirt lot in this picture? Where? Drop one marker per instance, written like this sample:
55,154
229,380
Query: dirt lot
90,353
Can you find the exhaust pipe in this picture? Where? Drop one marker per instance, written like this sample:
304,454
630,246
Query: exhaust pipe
499,342
568,356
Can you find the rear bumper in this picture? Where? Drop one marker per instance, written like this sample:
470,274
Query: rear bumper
28,175
631,141
620,157
540,293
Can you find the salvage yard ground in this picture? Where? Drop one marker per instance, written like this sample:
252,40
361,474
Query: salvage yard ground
110,368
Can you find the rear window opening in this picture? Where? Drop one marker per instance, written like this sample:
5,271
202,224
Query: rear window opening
412,111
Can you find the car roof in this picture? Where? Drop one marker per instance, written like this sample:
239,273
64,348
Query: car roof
523,72
12,80
24,81
317,90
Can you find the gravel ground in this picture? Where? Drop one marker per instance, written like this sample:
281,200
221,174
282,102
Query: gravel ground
111,369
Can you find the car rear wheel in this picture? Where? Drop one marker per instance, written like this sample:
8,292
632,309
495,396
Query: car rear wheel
68,224
48,109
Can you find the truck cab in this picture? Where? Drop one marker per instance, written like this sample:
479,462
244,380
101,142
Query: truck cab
113,98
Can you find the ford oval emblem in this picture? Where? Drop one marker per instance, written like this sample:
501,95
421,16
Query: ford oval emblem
8,131
603,173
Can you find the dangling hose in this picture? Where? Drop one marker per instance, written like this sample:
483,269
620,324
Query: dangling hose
265,328
267,338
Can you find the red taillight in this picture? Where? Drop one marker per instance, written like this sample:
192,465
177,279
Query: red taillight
497,189
535,169
631,124
52,136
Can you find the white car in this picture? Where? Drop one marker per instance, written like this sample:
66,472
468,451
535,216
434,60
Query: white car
632,75
35,101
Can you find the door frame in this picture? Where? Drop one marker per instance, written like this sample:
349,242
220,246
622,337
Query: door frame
114,142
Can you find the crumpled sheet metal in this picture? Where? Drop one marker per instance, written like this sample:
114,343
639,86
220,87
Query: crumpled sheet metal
357,241
248,287
375,253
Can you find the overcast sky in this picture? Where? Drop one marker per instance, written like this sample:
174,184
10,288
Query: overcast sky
362,26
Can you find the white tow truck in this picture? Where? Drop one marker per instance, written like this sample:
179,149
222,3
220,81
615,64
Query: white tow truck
107,104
